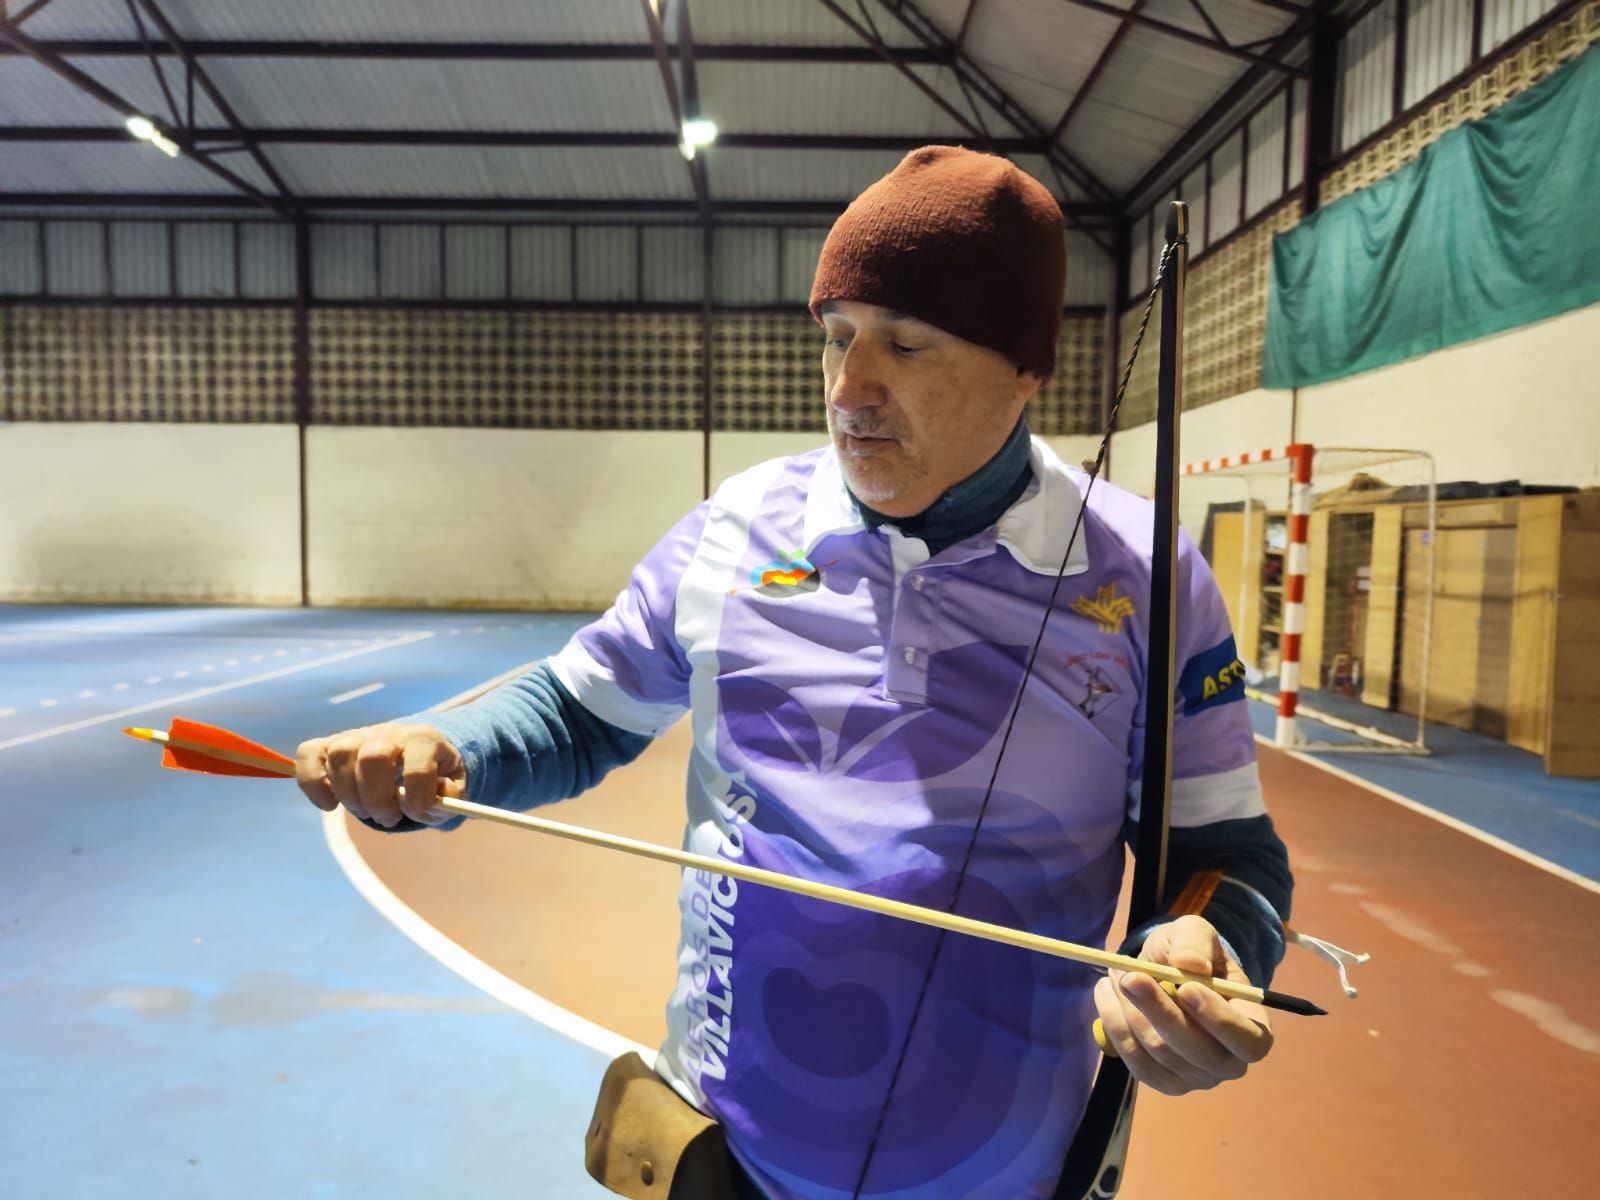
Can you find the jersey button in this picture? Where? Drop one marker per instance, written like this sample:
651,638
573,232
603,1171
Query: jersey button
916,582
909,654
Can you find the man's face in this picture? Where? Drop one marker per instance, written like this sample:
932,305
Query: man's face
913,410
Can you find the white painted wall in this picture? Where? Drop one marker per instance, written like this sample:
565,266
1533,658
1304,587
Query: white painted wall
1524,404
195,514
490,518
1250,421
735,452
147,513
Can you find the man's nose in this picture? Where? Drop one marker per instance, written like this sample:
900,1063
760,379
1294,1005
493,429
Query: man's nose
860,381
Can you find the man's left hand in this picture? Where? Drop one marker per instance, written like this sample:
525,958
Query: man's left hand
1195,1040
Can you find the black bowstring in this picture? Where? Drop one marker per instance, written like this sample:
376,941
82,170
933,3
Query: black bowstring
1016,705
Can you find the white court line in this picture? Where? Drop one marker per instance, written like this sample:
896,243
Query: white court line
45,635
336,831
354,692
474,970
169,701
1527,856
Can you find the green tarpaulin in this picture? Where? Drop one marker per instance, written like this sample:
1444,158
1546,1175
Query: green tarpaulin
1494,225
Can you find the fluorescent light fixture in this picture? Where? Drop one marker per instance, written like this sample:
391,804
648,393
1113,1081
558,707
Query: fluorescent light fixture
699,131
145,130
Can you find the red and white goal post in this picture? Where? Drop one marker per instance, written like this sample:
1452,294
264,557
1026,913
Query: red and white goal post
1325,558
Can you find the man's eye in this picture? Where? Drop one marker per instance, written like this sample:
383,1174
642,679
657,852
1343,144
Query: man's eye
835,344
899,349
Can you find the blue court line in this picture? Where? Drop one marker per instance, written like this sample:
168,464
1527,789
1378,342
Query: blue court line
197,1002
1487,784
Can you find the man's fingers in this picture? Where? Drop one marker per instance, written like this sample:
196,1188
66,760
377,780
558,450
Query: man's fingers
1167,1031
1141,1064
377,770
1192,945
420,770
1241,1028
311,773
1158,1024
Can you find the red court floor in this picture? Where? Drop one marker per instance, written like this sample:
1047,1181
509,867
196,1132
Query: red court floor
1468,1067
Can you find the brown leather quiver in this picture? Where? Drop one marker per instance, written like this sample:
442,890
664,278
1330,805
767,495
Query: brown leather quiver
647,1142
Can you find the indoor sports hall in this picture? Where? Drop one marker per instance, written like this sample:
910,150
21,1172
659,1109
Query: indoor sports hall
371,361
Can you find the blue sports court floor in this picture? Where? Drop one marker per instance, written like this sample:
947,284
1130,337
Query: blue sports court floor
199,1004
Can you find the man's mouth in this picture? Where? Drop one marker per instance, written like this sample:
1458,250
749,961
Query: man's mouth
866,443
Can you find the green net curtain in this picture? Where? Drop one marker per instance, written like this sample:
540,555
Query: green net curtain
1495,225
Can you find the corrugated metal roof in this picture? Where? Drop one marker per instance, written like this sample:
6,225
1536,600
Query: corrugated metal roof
19,257
745,266
460,171
397,20
795,174
673,264
608,263
834,98
612,97
76,258
266,260
203,252
802,248
1438,44
1267,166
82,19
1241,21
1088,271
139,259
1365,92
110,167
784,23
1038,50
1152,88
475,261
409,262
1504,19
1193,190
1038,166
31,94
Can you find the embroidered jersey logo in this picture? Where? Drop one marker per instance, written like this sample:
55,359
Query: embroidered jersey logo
1108,609
1098,691
787,575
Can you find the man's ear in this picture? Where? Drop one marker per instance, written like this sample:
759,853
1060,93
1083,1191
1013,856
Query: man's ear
1028,384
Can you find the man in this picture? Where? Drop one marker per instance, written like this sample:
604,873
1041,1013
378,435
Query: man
849,629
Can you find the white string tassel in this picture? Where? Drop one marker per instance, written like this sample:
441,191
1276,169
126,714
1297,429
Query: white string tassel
1339,957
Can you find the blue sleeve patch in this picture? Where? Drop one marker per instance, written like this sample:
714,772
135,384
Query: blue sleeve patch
1214,676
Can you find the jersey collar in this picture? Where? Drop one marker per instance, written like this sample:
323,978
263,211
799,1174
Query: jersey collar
1035,529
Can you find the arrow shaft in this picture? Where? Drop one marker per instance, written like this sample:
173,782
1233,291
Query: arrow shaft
863,901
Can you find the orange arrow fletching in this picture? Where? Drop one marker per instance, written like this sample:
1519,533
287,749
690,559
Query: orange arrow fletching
189,758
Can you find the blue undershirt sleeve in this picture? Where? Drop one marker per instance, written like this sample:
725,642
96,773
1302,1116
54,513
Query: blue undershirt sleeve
527,743
1248,918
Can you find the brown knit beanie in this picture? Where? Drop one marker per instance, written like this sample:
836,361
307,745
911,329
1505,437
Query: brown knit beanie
965,241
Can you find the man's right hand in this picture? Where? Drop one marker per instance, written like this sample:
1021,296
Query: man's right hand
363,770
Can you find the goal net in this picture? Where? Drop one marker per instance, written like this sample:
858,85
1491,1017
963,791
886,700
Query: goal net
1325,559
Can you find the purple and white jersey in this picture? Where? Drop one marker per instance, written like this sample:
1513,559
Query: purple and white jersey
849,695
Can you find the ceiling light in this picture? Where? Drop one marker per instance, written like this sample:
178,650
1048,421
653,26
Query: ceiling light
145,130
699,131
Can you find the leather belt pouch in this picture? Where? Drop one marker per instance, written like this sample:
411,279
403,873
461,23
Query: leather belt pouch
647,1142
